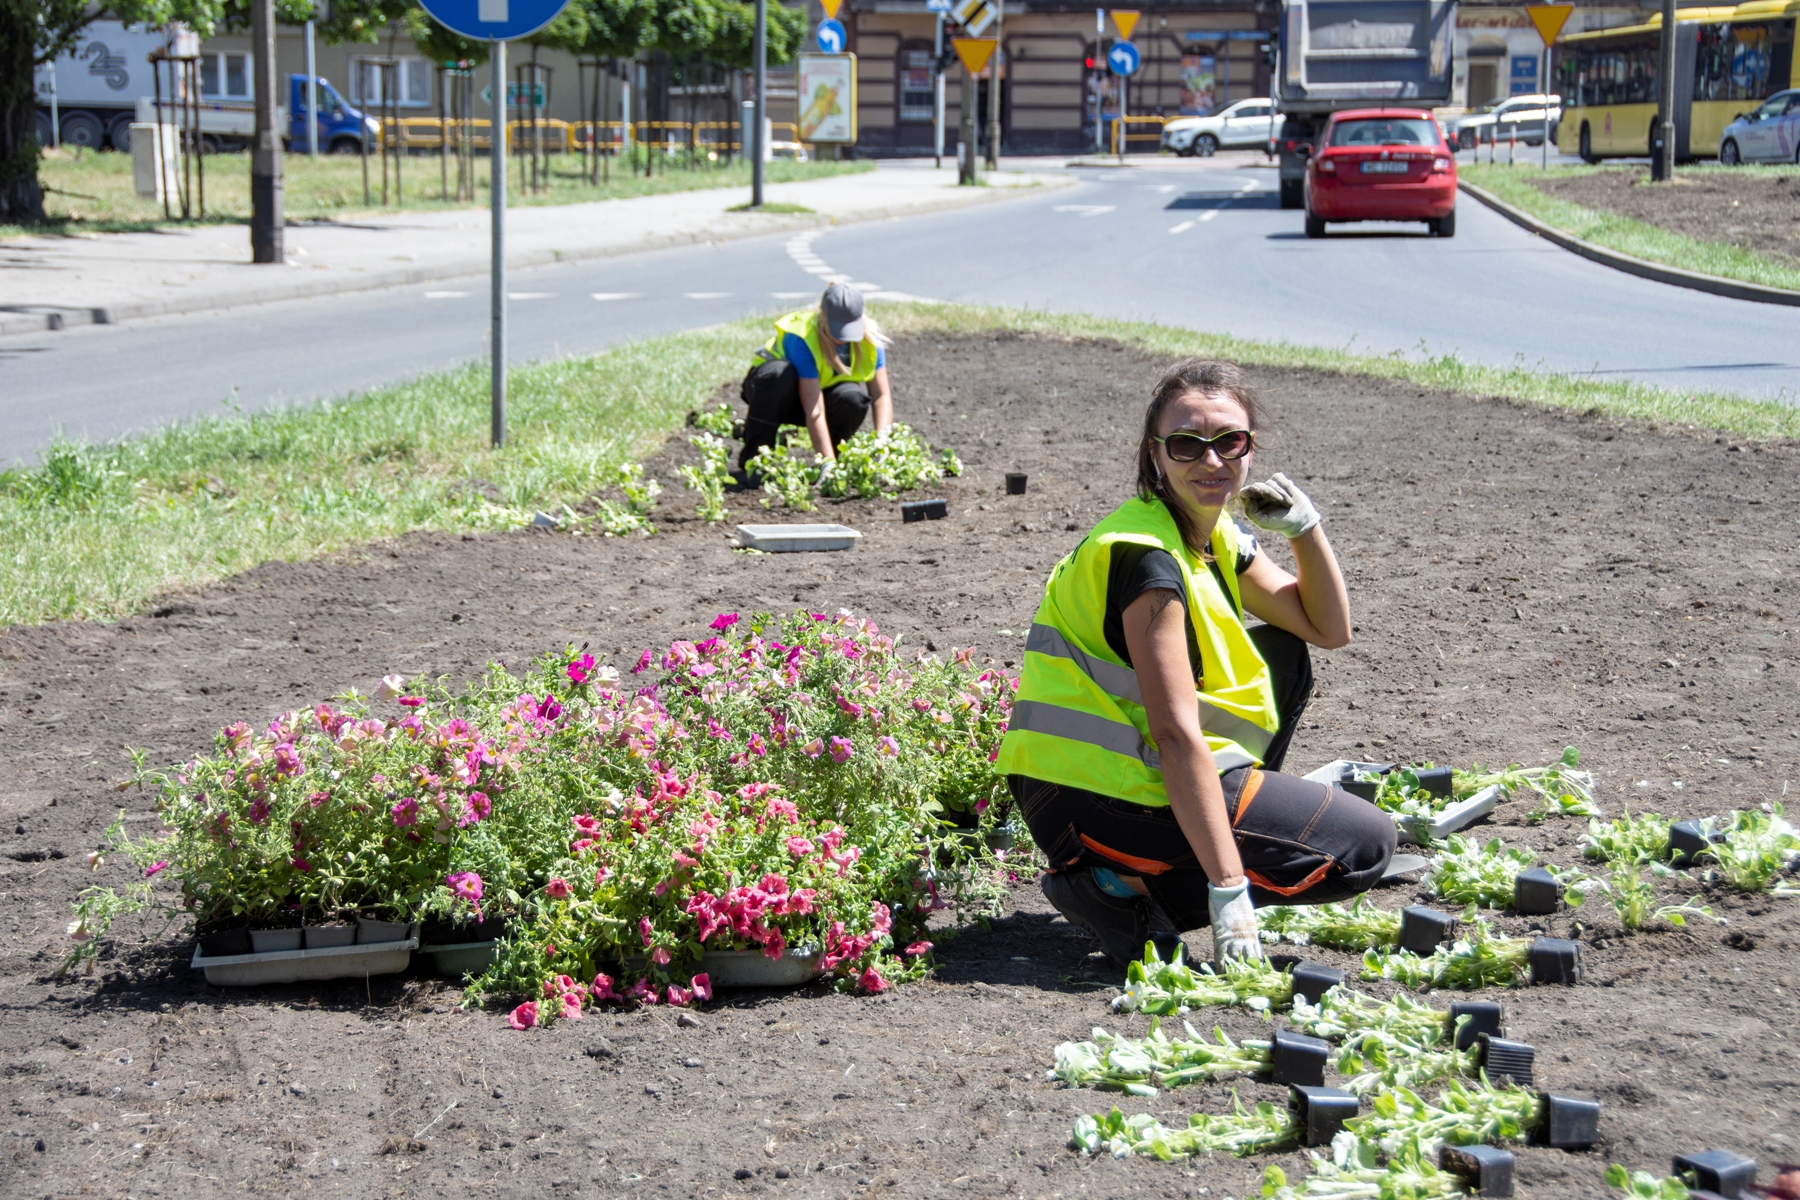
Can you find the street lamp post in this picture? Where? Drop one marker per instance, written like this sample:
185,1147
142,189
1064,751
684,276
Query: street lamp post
762,109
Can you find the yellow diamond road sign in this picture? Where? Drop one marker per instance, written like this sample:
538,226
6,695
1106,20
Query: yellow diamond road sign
1126,19
975,15
975,52
831,7
1549,19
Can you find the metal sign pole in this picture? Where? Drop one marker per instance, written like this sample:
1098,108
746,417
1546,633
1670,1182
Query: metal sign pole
1099,77
1544,91
762,109
497,271
312,94
937,93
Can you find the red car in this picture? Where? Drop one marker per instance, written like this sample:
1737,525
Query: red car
1382,164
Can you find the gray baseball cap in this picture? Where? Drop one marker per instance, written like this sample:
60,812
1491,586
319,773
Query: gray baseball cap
842,307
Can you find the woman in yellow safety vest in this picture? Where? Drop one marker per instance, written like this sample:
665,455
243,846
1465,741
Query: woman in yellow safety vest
824,369
1150,725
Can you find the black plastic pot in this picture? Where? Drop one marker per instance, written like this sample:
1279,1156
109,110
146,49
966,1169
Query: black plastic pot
924,510
224,943
1569,1124
1312,981
1488,1169
1015,483
1536,893
1688,841
458,933
1423,930
1295,1058
1435,781
1504,1059
1718,1171
1555,960
1320,1112
1485,1017
1365,789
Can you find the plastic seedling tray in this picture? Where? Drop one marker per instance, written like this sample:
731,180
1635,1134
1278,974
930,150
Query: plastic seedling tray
1536,893
461,958
1295,1058
1488,1169
269,941
1503,1059
1453,819
1320,1112
753,968
1569,1124
1555,960
1423,930
1718,1171
787,539
924,510
1485,1017
292,966
318,937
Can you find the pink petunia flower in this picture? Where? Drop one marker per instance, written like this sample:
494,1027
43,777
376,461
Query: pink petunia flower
587,826
642,992
799,847
842,749
524,1016
465,885
405,812
603,989
579,670
602,875
300,864
155,869
412,701
873,982
581,845
888,747
917,948
478,808
813,748
679,997
571,1006
701,986
724,621
757,746
558,889
660,956
644,663
645,930
259,811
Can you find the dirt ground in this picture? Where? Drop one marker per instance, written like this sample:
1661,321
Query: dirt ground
1755,208
1522,581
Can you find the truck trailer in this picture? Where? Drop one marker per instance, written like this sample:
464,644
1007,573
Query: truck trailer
1340,54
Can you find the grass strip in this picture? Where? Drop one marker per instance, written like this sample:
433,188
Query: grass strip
91,192
1626,234
101,531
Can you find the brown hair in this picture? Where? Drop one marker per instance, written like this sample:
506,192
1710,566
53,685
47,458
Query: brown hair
1208,375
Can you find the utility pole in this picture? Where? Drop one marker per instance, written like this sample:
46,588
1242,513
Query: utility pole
993,143
1662,156
497,269
1099,76
937,93
762,111
312,94
266,218
966,153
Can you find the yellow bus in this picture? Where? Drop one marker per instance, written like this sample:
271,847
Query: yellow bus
1727,59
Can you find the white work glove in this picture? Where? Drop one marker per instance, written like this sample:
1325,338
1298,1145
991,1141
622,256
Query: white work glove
1279,506
1233,922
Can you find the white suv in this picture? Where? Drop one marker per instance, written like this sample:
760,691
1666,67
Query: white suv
1515,116
1247,123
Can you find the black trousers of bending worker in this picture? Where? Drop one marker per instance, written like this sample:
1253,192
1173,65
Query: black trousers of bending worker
1301,842
772,392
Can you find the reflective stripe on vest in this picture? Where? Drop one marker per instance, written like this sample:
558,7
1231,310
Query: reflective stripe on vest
1071,724
1122,682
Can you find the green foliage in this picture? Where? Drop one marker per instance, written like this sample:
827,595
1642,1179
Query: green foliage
1645,1185
1159,988
1357,1170
1760,853
786,474
1140,1066
1486,874
1240,1132
1479,959
1633,898
1640,839
721,422
1562,789
631,517
1465,1114
1344,1015
883,464
1359,926
710,477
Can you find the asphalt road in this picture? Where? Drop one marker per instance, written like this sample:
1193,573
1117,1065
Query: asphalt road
1192,244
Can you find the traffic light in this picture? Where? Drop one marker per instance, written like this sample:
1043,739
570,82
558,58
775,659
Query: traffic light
1090,62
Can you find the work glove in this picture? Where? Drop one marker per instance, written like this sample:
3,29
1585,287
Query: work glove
1279,506
1233,922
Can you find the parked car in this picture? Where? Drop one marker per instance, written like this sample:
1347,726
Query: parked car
1770,132
1515,116
1239,124
1382,164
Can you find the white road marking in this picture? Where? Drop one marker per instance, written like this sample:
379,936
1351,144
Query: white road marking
792,295
531,295
1248,187
615,295
445,295
1086,210
1182,228
706,295
1209,214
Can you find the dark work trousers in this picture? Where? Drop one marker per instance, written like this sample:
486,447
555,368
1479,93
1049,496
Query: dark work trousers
1301,842
772,392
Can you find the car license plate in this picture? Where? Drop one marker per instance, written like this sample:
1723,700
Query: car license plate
1384,168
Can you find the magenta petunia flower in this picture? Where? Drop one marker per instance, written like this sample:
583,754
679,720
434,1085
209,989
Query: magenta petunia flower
524,1016
412,702
644,663
259,810
701,986
660,956
465,885
586,825
580,669
480,805
872,981
679,997
405,812
300,864
917,948
646,930
602,875
287,760
603,989
757,746
888,747
642,992
571,1006
799,847
842,749
724,621
155,869
558,889
813,748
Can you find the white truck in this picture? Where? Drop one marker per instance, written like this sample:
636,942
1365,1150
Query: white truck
91,96
1341,54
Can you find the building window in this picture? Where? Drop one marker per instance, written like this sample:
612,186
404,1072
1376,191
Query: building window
916,98
411,78
225,76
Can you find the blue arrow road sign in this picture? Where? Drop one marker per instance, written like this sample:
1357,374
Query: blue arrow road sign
831,36
487,20
938,6
1123,58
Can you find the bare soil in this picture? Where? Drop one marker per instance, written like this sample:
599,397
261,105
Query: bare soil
1523,580
1756,209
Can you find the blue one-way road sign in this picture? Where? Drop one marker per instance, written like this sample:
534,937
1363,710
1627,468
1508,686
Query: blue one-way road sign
487,20
1123,58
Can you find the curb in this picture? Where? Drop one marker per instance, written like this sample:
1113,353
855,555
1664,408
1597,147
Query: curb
46,318
1732,288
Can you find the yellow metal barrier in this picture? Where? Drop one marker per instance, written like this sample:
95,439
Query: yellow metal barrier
1123,128
556,135
607,135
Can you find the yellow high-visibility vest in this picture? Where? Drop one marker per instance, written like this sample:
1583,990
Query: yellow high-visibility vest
1079,719
805,326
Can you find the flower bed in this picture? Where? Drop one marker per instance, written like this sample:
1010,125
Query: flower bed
799,784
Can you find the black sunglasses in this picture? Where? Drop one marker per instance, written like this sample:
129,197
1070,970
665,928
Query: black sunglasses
1191,447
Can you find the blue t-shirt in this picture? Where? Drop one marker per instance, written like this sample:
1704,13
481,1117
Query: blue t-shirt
796,351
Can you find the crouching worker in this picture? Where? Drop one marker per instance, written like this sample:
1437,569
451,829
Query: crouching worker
1150,725
824,369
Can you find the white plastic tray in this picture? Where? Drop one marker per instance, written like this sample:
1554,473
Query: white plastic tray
1454,819
781,539
292,966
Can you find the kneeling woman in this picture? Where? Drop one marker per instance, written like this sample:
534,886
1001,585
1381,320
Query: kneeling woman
1150,724
824,369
